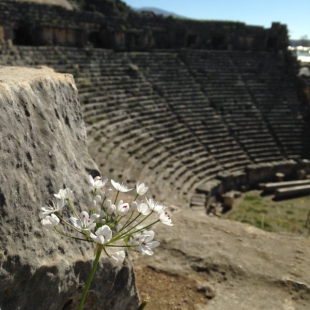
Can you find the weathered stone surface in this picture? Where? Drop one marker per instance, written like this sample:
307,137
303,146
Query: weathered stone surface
43,148
244,267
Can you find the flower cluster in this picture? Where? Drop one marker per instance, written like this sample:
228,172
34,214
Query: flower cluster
109,222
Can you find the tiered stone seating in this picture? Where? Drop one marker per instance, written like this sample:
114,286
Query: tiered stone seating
171,79
227,92
271,85
170,120
131,128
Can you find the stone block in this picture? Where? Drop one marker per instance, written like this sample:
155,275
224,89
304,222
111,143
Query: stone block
43,148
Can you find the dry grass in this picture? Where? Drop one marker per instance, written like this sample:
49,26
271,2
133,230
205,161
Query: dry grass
276,216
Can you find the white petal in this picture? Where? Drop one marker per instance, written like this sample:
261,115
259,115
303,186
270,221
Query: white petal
117,258
148,235
115,184
148,251
153,244
76,222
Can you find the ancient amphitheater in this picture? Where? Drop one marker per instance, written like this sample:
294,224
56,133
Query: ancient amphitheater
194,109
189,121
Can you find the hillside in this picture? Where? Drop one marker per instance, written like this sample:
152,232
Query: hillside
64,3
158,11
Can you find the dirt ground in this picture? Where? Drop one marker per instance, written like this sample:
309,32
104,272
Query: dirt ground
170,292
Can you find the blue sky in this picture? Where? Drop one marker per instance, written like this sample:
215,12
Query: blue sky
294,13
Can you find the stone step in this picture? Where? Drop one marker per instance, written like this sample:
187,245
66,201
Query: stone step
271,187
295,191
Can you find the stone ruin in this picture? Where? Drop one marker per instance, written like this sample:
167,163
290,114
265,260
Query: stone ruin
179,124
194,109
26,23
42,148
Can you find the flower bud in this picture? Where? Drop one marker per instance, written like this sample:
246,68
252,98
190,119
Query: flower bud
141,189
108,193
98,198
111,209
122,208
102,213
107,203
134,206
92,205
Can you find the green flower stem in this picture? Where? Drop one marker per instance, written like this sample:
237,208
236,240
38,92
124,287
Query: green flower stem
125,225
128,223
121,246
67,223
105,251
90,278
148,226
69,236
116,197
128,233
102,204
94,192
138,223
116,220
136,197
123,236
72,209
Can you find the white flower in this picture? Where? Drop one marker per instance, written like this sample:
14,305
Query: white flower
155,206
146,244
65,194
97,182
50,221
120,187
117,258
86,222
165,218
144,209
103,234
122,208
141,189
55,208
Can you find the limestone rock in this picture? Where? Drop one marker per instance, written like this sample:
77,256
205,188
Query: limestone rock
238,266
43,148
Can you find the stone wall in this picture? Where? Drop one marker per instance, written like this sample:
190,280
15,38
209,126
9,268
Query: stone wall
42,149
27,22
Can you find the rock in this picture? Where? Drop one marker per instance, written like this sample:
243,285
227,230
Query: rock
280,176
228,200
42,148
239,267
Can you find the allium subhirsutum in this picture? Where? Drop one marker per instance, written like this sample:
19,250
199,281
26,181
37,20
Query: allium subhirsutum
109,225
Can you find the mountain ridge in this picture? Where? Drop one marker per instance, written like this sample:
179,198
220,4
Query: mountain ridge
158,11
